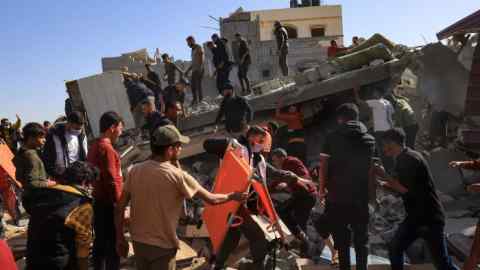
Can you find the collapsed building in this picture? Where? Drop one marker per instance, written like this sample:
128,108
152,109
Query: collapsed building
441,80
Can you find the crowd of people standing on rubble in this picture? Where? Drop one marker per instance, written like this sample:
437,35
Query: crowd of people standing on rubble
76,195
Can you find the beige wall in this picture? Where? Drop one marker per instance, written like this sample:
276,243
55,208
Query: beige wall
302,19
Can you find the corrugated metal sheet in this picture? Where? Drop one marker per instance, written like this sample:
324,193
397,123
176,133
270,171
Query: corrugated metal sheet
468,24
102,93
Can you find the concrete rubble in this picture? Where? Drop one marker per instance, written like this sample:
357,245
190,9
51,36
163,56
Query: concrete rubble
437,79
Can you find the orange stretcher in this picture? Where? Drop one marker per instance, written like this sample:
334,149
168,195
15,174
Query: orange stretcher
7,172
6,162
233,176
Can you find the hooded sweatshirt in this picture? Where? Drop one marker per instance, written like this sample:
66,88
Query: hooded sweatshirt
351,150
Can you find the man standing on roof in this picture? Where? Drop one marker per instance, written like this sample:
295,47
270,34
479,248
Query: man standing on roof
281,35
236,110
106,191
197,69
244,61
221,60
156,190
171,70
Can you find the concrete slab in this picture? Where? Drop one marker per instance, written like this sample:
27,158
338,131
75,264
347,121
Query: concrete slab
442,79
102,93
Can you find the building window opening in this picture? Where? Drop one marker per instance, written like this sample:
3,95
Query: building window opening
292,32
266,73
318,31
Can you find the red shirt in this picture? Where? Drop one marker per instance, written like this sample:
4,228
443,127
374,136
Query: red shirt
7,262
295,165
103,156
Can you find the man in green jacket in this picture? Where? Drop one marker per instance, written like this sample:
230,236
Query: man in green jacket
30,169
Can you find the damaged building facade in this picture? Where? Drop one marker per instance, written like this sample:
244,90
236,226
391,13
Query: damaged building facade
310,30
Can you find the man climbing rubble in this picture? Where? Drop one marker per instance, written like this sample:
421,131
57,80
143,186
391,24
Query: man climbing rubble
153,118
425,213
345,175
281,36
295,212
156,190
236,110
382,111
137,92
197,69
176,94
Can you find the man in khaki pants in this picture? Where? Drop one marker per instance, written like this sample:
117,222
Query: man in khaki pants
156,190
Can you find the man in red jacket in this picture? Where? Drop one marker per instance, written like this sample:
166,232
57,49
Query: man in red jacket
106,191
295,212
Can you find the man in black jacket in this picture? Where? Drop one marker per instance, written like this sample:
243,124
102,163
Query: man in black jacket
66,143
236,110
350,150
221,60
137,92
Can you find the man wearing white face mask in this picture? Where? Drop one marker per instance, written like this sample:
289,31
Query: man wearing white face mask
66,143
253,142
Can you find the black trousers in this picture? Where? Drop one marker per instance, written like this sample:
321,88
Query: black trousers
105,256
282,61
296,212
348,220
433,235
255,237
196,85
243,77
223,75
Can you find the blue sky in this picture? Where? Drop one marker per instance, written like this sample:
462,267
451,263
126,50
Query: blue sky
43,43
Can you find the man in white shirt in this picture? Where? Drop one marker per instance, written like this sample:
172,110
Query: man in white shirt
382,111
66,143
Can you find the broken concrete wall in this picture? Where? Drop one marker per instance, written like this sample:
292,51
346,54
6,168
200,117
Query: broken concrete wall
102,93
442,79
